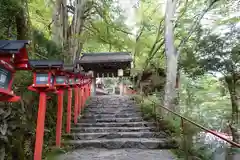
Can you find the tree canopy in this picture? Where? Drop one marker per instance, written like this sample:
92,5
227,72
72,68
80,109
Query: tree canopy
196,44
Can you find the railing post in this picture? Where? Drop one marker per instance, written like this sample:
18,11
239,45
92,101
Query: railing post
184,139
84,95
59,118
89,90
69,112
81,92
78,106
40,126
75,105
79,101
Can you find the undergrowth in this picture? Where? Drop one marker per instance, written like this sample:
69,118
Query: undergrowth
172,125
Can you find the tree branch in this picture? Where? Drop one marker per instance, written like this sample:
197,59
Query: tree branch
184,40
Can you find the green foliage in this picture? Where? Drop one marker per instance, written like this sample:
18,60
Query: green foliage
202,98
9,9
40,14
45,48
172,125
221,53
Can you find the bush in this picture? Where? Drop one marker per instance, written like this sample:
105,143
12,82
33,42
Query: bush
172,125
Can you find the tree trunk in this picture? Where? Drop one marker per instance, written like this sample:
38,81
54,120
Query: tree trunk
2,152
171,56
21,23
56,29
60,24
234,95
77,26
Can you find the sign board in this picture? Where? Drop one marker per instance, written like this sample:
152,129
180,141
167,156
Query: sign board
42,78
120,72
60,80
5,77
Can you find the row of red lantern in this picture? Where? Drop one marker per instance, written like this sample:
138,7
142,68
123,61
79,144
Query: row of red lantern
48,76
52,76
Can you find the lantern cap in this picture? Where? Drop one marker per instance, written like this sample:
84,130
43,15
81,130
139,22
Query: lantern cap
12,46
45,64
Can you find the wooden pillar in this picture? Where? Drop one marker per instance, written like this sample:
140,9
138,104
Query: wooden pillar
69,112
75,105
93,86
120,75
40,127
121,86
59,119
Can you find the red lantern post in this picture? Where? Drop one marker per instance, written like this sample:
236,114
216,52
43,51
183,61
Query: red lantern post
13,56
43,82
85,89
61,83
80,94
78,76
79,82
77,90
73,84
70,75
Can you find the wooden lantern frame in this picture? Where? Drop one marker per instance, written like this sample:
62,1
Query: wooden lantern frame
48,67
13,56
61,73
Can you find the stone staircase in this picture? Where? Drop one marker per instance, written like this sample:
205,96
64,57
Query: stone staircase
114,122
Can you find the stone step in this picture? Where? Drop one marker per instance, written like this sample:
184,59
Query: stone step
111,106
117,124
111,110
89,115
109,135
112,129
117,143
90,120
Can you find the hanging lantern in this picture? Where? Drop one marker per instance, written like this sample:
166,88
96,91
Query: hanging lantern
11,57
61,79
44,74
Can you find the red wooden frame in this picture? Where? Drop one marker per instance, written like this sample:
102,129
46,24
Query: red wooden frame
69,111
42,89
21,60
12,61
60,91
70,75
7,95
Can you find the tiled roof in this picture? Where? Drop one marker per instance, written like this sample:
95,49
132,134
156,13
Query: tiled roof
105,57
12,46
46,63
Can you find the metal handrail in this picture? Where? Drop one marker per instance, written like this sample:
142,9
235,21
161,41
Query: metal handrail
200,126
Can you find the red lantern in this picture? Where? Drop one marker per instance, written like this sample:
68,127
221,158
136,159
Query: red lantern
43,82
44,74
13,56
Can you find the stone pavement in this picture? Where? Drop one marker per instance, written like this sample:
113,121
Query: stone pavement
112,128
118,154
